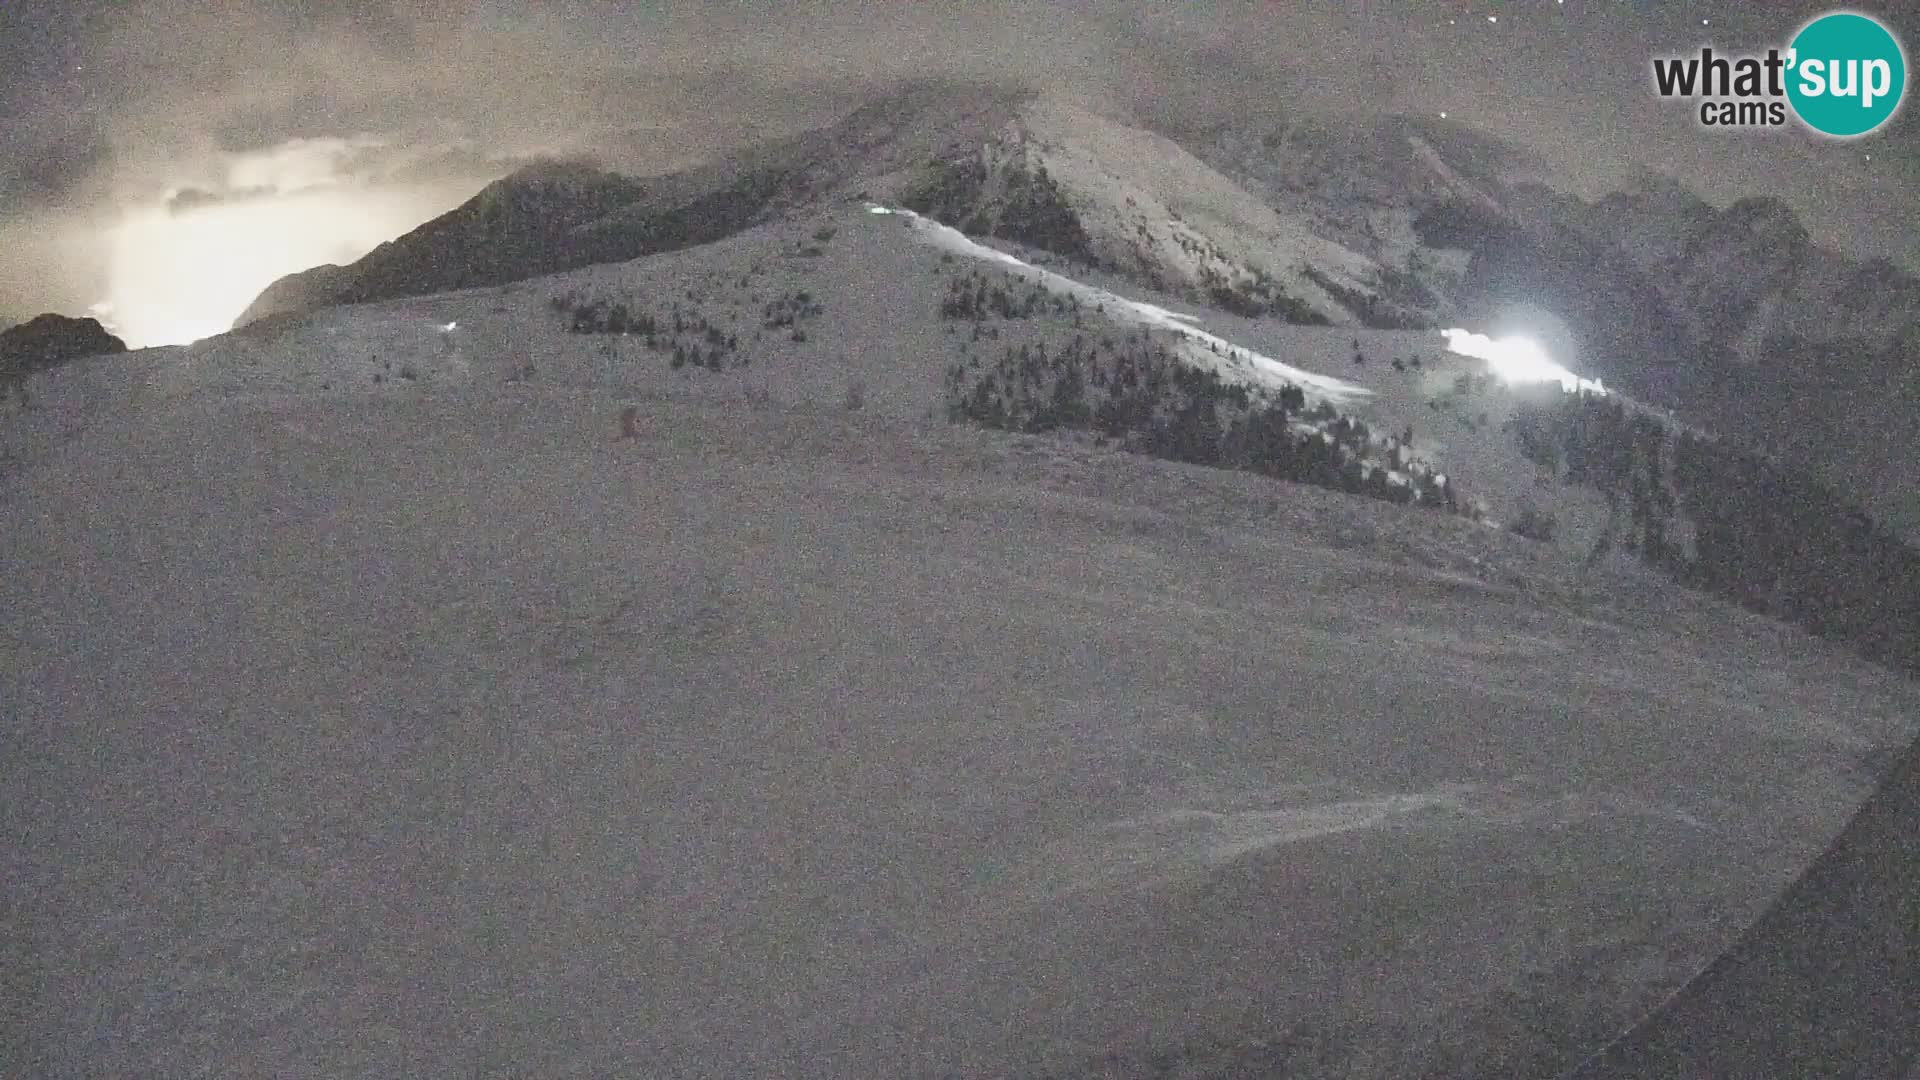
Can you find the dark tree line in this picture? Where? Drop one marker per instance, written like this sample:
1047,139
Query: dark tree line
973,296
1261,296
1027,209
1596,442
790,309
1373,311
1142,396
1781,542
1765,535
686,337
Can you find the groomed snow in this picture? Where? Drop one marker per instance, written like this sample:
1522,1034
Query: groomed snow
1196,345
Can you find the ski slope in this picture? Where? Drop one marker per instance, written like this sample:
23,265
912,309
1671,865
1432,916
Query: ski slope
1196,346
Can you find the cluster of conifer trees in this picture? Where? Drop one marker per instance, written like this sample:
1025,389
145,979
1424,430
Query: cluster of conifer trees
1027,208
687,337
1141,395
974,296
1765,535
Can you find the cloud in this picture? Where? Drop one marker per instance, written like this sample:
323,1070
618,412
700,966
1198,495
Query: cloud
187,200
185,107
53,168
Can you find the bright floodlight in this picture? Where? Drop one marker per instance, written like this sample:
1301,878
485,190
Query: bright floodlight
1517,360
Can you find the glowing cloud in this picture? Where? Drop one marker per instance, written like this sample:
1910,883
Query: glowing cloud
178,276
175,277
183,267
1517,360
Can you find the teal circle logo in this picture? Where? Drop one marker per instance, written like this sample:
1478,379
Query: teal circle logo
1846,74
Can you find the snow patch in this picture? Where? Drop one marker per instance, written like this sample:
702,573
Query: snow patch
1196,346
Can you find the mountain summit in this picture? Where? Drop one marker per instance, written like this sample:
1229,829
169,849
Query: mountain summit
1726,315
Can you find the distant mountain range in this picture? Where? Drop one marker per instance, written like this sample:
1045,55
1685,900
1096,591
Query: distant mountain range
1732,317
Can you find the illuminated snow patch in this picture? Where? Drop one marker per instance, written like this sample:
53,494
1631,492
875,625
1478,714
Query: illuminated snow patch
1517,360
1196,346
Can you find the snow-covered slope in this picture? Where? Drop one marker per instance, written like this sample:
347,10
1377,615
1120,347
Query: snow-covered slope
1195,345
562,215
1384,222
374,705
449,735
1730,316
869,324
1151,204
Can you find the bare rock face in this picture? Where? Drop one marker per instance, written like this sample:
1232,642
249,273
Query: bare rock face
50,340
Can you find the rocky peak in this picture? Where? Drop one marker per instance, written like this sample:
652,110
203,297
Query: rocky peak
1755,246
1658,192
50,340
1766,219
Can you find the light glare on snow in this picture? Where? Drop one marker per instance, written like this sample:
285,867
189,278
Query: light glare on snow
1517,360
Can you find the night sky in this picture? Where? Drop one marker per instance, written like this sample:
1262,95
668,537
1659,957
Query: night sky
348,121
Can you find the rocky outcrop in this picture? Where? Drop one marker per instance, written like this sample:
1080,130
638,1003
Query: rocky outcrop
47,341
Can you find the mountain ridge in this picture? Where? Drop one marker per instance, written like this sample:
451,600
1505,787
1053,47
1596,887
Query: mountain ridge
1722,314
